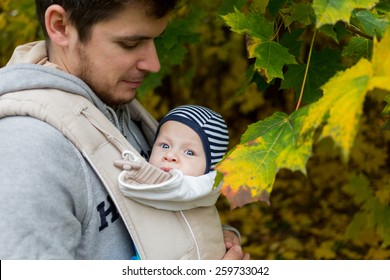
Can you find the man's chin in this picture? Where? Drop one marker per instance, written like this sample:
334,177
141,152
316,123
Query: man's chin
121,100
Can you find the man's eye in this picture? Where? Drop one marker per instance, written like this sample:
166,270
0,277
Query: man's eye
164,146
189,153
128,46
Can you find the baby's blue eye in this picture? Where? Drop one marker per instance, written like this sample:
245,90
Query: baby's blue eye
189,153
164,146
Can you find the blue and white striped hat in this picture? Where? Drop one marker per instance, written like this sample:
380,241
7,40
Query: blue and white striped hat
209,125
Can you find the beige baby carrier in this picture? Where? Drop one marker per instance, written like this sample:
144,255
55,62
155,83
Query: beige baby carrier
189,234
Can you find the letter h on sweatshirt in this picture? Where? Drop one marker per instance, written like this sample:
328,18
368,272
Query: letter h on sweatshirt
104,213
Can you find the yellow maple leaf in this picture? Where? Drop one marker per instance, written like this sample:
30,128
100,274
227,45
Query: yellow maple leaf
243,174
341,106
381,63
250,168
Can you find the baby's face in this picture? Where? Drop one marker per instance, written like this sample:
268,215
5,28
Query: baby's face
178,147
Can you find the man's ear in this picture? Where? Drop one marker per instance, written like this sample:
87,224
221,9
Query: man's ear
56,21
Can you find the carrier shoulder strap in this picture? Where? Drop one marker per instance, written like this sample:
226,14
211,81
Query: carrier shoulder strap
157,234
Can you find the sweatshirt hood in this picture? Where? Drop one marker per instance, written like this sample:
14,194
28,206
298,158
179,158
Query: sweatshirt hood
29,68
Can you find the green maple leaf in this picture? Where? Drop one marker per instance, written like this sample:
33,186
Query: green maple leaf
293,40
371,24
383,6
323,66
331,11
358,48
267,146
299,12
329,30
270,56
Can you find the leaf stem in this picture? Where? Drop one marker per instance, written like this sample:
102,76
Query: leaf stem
306,71
355,30
279,26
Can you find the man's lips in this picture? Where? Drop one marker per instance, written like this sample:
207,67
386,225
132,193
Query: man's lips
133,84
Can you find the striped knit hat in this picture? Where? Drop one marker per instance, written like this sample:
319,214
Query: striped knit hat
209,125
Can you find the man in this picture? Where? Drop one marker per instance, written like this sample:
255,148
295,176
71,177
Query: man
52,202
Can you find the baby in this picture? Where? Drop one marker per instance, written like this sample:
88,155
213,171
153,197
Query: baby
190,141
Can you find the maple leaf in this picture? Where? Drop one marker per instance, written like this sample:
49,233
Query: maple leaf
370,23
381,63
381,66
341,106
299,12
358,48
270,56
267,146
323,66
331,11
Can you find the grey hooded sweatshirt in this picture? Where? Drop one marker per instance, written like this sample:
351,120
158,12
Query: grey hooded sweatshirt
52,204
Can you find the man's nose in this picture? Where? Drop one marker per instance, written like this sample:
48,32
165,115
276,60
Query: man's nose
149,62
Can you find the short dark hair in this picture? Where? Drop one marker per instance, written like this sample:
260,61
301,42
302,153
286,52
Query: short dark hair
85,13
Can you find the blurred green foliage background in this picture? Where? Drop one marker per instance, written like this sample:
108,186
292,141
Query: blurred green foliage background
203,62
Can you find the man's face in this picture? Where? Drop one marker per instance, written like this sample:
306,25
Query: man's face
118,55
178,146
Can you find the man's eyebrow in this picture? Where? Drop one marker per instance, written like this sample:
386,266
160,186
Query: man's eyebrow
138,37
134,38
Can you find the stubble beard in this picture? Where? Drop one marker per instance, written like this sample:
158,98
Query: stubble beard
88,74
